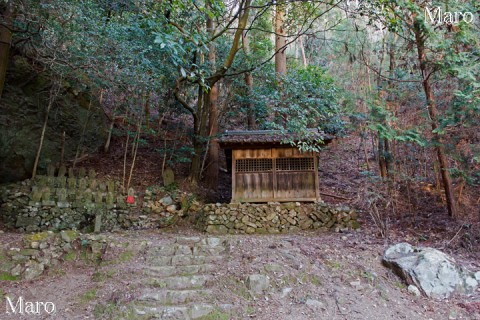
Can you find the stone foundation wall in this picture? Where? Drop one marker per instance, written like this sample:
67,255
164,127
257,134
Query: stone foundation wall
77,201
66,201
275,217
40,251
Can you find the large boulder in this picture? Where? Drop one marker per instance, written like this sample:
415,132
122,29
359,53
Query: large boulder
435,273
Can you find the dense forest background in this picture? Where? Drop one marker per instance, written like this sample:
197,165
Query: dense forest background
122,81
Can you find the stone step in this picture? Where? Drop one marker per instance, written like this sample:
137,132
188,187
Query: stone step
163,312
159,260
165,250
208,250
174,297
213,242
170,250
189,245
183,249
195,311
161,271
184,260
200,310
187,282
187,240
167,271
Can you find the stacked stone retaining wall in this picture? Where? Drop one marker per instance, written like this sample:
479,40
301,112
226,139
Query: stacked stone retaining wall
38,252
275,217
80,201
63,200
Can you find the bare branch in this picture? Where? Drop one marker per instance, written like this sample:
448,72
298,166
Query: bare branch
179,98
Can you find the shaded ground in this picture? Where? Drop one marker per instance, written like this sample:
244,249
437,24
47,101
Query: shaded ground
312,276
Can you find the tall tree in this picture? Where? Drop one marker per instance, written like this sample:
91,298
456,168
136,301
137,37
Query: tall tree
421,35
432,43
280,39
251,121
213,147
204,85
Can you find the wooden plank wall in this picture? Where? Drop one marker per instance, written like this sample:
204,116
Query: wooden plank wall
274,185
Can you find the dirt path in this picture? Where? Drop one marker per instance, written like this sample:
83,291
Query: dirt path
188,275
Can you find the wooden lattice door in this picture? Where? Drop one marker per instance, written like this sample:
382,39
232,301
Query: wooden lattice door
276,174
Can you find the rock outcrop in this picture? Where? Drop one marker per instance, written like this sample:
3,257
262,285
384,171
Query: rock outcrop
23,107
436,274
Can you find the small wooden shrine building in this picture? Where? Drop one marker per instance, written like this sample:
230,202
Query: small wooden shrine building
265,170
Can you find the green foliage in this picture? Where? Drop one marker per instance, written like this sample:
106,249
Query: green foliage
304,99
215,315
105,310
108,41
125,256
5,276
383,122
172,189
70,256
100,276
135,48
182,39
88,296
174,156
452,64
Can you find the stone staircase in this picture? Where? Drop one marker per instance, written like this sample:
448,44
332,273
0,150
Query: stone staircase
179,275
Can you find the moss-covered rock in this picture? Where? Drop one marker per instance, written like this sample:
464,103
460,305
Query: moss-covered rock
38,237
69,235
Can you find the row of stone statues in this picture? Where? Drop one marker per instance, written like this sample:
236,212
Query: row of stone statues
56,189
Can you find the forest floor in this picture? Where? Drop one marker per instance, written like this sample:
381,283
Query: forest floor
313,275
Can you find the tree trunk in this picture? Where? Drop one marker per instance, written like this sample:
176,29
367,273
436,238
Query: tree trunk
147,111
54,91
106,147
199,129
213,150
251,121
381,157
5,42
200,114
280,57
381,148
302,52
432,111
136,142
125,162
280,40
390,98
